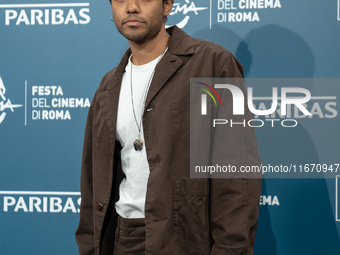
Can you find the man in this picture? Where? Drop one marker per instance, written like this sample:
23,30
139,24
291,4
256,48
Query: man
139,124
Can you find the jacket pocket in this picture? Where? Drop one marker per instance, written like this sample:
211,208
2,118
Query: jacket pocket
191,219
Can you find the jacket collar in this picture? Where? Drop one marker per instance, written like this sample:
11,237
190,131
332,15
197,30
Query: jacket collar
180,42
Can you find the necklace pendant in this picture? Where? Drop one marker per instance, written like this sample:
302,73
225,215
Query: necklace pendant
138,144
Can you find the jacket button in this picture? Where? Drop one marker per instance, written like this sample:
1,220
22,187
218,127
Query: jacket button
100,207
149,108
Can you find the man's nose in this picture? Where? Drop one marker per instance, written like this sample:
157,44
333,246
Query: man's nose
133,6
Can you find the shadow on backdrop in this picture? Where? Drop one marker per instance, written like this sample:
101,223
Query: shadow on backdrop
303,223
231,41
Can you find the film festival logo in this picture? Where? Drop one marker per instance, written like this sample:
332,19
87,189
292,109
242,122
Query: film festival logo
239,102
187,9
5,103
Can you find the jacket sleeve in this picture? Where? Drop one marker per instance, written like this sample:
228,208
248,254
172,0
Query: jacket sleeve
234,202
84,233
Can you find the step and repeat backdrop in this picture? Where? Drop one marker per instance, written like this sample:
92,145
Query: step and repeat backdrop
53,54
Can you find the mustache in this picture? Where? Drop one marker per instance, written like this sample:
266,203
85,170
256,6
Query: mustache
133,17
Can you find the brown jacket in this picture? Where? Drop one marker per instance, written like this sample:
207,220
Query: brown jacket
183,216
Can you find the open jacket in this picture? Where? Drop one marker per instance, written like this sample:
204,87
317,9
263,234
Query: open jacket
183,216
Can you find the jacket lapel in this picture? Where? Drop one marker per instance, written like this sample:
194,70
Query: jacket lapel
164,70
108,99
180,45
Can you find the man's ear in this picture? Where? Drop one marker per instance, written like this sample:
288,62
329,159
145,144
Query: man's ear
167,7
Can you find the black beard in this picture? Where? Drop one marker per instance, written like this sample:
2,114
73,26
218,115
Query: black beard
153,27
136,37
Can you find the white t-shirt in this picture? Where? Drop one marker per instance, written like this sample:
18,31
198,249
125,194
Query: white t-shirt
132,189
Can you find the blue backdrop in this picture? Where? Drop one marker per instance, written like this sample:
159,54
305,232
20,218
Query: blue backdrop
53,54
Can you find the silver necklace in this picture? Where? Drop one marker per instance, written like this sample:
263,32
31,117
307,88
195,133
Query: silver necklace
138,143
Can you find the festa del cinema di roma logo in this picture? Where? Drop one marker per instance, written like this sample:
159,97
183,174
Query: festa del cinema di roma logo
5,103
238,104
186,9
48,103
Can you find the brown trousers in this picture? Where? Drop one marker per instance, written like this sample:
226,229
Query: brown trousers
130,236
